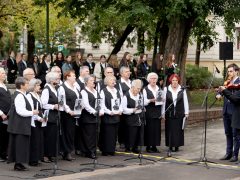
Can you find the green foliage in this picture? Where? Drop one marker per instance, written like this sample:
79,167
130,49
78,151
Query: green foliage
197,77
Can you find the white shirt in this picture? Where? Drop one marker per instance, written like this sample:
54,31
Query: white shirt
20,105
127,110
154,91
61,93
4,87
45,97
114,95
85,101
174,97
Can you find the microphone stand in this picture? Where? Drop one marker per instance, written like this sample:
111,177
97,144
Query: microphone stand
95,162
203,159
169,152
59,133
140,155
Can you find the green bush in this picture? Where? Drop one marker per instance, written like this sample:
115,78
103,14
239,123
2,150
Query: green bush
197,77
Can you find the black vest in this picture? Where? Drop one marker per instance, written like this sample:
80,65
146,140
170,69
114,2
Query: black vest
133,119
178,110
18,124
80,83
35,101
107,119
86,117
5,101
152,111
124,86
70,97
53,114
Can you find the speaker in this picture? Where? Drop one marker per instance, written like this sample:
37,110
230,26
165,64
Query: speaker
225,50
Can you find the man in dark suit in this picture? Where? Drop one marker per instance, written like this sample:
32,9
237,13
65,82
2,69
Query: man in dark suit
89,62
43,69
22,64
230,131
12,68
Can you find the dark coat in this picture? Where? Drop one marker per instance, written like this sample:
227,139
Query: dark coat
88,64
21,67
12,65
235,100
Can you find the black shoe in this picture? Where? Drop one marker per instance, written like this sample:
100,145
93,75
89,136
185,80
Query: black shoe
19,167
149,150
234,159
226,157
176,149
77,152
111,153
68,157
127,150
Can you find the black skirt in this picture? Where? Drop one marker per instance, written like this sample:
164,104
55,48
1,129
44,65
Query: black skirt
122,129
36,143
108,137
18,149
4,136
50,139
88,138
152,132
68,123
134,136
174,135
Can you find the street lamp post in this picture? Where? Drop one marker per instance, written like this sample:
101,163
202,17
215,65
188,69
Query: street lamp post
47,26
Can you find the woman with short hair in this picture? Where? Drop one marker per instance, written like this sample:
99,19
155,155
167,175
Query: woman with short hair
19,126
112,110
132,108
50,102
36,140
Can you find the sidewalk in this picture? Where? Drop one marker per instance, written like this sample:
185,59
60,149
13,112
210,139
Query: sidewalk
169,169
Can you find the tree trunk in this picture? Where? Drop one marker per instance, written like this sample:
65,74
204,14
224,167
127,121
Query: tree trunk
177,42
31,46
198,52
140,40
122,39
156,36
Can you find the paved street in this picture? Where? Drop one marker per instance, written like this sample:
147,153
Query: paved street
170,168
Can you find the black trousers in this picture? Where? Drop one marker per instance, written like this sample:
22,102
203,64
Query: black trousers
4,136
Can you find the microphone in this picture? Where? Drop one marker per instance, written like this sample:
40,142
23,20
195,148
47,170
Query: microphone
218,71
184,87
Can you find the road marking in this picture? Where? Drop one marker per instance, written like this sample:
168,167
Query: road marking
181,160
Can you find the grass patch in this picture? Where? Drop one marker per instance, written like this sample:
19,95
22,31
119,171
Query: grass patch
196,98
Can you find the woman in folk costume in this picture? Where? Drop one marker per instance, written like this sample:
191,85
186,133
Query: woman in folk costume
109,122
174,110
152,100
89,118
69,95
50,102
19,126
132,108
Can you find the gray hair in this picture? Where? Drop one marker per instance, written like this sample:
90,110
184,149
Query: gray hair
150,75
20,81
55,68
123,68
108,78
1,70
26,71
51,76
86,79
33,83
82,68
137,83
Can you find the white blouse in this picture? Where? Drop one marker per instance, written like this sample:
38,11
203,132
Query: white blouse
45,97
127,110
20,105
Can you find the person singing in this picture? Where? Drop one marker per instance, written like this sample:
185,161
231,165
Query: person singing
36,140
89,117
68,95
132,108
152,100
112,111
50,102
174,110
19,126
5,104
